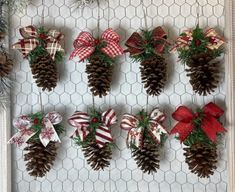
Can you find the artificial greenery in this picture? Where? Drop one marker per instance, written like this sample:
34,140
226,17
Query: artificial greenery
93,114
15,5
198,135
197,45
37,120
144,123
98,53
148,44
40,49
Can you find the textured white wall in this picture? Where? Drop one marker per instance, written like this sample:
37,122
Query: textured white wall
70,172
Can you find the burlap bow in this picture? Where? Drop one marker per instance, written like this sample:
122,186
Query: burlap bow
136,43
135,135
81,122
85,44
32,39
25,126
210,125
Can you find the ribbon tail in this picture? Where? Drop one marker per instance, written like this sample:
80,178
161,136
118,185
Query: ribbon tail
211,127
25,46
156,131
112,49
53,46
183,129
19,139
135,137
82,52
103,136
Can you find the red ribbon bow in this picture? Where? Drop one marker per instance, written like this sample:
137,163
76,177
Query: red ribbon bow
81,121
210,125
136,43
85,44
31,41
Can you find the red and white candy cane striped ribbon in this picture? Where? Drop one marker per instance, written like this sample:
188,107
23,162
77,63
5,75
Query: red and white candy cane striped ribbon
31,40
81,122
85,44
135,135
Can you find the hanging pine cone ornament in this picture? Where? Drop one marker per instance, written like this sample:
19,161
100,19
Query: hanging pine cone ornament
43,50
39,135
200,50
146,136
92,133
200,133
149,49
100,55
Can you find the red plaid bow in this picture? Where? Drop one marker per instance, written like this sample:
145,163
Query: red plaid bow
81,121
210,125
24,125
136,43
135,135
31,41
85,44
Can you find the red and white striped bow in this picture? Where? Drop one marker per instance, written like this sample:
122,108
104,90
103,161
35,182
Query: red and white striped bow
81,122
32,39
85,44
135,135
25,126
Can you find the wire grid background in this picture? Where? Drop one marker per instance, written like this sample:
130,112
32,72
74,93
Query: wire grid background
70,171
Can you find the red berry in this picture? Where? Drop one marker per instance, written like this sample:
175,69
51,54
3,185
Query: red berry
36,121
94,120
97,41
212,40
198,42
42,36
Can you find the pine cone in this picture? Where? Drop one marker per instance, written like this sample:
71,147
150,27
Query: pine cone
97,158
6,65
201,159
147,157
39,158
204,73
154,74
44,71
99,76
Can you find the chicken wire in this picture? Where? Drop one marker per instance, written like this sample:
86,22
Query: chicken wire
70,171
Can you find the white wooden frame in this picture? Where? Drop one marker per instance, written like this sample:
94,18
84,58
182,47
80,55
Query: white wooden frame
5,123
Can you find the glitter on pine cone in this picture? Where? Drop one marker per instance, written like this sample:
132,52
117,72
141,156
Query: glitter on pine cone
99,76
44,71
201,159
97,158
154,74
6,65
147,157
39,158
204,73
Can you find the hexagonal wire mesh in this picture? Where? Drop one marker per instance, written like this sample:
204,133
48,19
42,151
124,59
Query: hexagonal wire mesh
71,172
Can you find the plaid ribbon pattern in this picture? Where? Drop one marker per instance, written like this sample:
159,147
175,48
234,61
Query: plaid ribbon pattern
135,132
31,40
85,44
25,132
184,41
81,122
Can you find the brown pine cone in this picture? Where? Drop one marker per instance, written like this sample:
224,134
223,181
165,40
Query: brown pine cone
99,76
204,73
6,65
147,157
39,159
44,71
154,74
97,158
201,159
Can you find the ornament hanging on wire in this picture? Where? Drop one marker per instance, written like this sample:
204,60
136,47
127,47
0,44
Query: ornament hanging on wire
146,136
200,50
43,50
149,48
200,132
100,53
39,135
92,132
